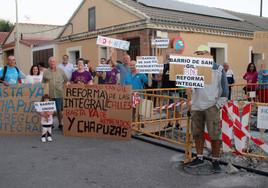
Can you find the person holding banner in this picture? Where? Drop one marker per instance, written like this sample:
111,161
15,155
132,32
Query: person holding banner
56,79
113,76
124,69
35,76
205,111
46,121
139,80
80,76
101,75
10,74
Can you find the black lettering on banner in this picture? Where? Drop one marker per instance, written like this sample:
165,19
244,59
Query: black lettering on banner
112,130
78,126
124,132
99,127
118,131
92,127
71,123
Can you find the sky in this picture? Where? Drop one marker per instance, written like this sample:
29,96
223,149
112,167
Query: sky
58,12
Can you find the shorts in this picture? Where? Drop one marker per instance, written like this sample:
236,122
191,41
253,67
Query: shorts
59,104
209,117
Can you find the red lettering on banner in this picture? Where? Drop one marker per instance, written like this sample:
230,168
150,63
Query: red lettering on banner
76,112
96,114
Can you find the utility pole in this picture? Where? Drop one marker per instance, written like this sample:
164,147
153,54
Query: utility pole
261,9
17,37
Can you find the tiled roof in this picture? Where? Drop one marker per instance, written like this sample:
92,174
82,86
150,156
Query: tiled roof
260,22
172,17
30,42
3,36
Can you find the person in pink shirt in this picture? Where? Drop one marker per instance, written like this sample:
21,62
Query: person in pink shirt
251,76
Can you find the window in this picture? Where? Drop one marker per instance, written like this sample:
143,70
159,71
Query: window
92,19
74,53
134,49
42,56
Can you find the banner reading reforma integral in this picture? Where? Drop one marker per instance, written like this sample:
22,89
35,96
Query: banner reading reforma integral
98,111
17,112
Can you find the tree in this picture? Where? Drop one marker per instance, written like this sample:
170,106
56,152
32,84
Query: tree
5,25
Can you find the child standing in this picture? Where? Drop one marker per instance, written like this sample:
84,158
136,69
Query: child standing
46,122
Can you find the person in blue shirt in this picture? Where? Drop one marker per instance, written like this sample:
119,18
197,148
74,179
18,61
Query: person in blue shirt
263,87
10,74
124,69
139,80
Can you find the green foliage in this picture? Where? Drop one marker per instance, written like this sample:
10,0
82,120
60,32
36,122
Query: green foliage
5,25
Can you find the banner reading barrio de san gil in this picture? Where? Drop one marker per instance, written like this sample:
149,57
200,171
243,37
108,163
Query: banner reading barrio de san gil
97,111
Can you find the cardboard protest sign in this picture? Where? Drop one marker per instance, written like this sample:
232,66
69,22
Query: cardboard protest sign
149,65
113,43
196,65
45,106
160,43
17,112
262,117
98,111
103,68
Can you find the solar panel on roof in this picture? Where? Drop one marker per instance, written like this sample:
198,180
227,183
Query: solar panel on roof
187,7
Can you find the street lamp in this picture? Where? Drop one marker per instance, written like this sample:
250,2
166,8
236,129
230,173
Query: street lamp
261,9
17,41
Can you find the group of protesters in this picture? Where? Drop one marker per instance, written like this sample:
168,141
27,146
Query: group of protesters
257,81
206,102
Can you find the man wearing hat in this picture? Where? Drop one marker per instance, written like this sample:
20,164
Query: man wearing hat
205,111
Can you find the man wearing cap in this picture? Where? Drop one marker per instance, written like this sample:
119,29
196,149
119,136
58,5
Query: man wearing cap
205,111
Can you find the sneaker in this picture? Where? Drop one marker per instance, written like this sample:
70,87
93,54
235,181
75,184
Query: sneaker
60,126
43,139
49,139
196,163
216,167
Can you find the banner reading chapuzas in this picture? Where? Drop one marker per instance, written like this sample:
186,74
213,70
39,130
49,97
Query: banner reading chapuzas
98,111
17,111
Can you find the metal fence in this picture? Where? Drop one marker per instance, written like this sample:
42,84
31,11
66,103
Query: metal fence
162,114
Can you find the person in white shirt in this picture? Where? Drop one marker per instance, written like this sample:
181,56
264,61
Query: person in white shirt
67,67
230,78
34,76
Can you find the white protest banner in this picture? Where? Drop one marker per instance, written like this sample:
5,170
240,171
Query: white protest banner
197,61
160,43
262,121
189,81
149,65
113,43
103,68
45,106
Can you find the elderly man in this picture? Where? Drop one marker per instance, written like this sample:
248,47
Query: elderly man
67,67
205,111
230,77
124,69
11,74
56,79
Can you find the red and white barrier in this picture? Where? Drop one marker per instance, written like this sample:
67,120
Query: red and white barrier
227,128
235,126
